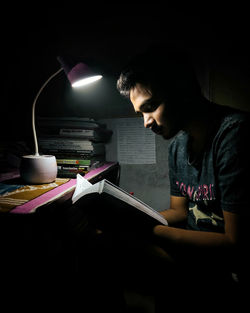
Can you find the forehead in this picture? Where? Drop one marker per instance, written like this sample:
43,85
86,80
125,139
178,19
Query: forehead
139,94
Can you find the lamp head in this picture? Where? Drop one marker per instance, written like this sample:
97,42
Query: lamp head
79,74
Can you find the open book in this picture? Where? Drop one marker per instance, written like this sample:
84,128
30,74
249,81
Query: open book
125,202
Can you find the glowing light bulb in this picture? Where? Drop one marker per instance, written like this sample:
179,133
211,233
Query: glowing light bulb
86,81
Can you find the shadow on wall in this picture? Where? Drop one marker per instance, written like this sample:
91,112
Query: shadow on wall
225,78
230,86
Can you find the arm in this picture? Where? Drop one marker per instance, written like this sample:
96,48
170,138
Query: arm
216,244
201,238
177,213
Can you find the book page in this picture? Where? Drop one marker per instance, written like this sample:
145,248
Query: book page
81,184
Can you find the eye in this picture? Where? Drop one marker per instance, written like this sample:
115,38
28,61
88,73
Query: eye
149,106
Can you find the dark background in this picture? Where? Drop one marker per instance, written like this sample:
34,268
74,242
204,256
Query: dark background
33,35
108,34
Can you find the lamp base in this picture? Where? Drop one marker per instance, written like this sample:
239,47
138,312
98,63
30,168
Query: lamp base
38,169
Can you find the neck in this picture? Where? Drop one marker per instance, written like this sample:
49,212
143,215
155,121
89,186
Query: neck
200,126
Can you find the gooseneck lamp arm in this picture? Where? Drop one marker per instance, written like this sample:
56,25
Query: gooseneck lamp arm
34,106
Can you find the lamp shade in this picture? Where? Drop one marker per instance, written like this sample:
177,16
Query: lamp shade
79,74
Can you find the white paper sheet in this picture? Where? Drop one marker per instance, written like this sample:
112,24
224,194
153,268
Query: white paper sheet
135,143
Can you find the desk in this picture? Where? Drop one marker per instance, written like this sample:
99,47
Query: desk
42,247
17,197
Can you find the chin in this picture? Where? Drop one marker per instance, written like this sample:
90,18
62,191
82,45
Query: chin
170,134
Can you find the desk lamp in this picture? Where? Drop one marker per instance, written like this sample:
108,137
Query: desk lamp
41,169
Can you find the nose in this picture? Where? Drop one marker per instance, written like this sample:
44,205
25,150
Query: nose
148,120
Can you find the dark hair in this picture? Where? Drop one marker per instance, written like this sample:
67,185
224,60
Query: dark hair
167,73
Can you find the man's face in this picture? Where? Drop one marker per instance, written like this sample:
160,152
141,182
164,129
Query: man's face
155,114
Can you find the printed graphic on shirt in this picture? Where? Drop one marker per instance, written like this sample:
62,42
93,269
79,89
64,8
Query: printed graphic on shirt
200,216
202,192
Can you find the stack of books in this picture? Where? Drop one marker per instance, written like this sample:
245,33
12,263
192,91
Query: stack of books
77,143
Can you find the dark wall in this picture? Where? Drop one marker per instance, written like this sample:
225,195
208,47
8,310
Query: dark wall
33,37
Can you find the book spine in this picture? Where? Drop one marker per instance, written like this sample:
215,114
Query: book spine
72,168
66,144
76,132
85,162
73,152
71,171
55,123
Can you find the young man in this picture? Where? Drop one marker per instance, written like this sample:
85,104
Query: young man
208,167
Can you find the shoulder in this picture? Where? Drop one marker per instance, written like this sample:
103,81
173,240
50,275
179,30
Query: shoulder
232,118
230,141
234,124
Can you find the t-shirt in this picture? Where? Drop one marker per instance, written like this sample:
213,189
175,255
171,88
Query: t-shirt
218,180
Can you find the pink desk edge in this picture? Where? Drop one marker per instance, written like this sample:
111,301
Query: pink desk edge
55,193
